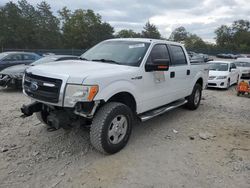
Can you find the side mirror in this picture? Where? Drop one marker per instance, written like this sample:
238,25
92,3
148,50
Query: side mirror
158,65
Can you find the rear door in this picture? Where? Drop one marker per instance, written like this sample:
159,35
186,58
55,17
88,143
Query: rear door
180,72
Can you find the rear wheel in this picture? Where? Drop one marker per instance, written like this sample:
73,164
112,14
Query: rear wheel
195,98
111,127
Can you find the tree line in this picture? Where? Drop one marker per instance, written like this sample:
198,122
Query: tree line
25,26
234,38
36,27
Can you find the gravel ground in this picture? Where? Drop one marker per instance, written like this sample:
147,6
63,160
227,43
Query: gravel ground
209,147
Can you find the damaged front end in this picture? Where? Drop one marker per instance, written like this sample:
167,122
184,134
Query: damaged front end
4,80
10,80
61,117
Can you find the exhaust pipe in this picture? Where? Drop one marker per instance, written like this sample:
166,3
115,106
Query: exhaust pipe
28,110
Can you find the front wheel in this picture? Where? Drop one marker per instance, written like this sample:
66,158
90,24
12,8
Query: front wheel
228,84
111,127
42,117
195,98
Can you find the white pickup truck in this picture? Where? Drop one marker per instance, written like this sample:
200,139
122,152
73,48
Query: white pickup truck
113,83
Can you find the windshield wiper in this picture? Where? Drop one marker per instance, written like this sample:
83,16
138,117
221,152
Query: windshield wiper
106,61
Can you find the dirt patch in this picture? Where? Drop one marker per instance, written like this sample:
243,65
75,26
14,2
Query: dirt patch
166,151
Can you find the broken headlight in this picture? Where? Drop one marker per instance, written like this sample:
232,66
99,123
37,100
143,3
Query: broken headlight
78,93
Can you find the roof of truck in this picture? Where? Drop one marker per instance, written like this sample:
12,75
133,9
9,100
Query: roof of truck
144,40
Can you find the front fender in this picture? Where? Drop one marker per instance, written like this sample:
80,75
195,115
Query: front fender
116,87
113,88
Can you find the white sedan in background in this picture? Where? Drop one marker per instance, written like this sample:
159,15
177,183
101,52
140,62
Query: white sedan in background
243,64
222,74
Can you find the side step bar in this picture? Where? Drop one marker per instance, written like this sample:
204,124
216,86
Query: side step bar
153,113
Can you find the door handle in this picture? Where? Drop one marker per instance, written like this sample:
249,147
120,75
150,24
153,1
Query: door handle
172,74
188,72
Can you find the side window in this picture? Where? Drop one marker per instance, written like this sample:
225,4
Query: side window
179,57
28,57
233,66
159,51
14,57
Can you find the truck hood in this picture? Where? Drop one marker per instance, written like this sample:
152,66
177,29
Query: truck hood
14,70
76,71
218,73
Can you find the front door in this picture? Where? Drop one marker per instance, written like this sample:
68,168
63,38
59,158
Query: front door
234,73
157,86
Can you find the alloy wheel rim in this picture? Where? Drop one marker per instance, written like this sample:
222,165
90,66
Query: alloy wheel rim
117,129
197,97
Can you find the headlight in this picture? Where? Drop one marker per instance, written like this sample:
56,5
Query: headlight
76,93
221,77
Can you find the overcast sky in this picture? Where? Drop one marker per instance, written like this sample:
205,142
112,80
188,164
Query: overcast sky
201,17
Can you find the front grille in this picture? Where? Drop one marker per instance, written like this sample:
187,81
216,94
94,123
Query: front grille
245,76
42,88
211,77
212,84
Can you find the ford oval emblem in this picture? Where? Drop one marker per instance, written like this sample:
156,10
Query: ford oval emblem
33,86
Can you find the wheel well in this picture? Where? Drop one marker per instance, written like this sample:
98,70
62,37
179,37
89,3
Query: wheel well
200,81
125,98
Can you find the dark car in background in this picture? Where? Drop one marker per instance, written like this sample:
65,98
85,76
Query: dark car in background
8,59
227,56
198,58
12,76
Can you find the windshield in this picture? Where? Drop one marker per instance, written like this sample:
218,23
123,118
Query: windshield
44,60
218,66
242,64
2,55
120,52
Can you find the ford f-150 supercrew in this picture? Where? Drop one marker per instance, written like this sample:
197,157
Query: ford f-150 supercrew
113,83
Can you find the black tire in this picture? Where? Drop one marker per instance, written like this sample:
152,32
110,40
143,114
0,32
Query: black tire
192,103
42,117
228,84
101,124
